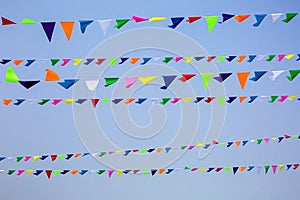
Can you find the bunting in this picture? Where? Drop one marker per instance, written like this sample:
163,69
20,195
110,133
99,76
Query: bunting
166,150
52,76
50,173
211,21
143,60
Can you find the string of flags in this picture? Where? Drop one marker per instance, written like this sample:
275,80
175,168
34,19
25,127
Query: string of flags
228,144
68,26
163,101
162,171
144,60
51,76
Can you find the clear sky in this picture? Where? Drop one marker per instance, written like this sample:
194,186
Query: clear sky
35,130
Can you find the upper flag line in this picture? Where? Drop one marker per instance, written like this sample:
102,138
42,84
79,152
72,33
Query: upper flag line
49,26
144,60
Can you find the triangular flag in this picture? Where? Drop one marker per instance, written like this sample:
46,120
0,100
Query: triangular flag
48,173
91,84
28,21
211,22
7,21
241,58
167,59
241,18
270,57
110,81
289,17
242,98
235,169
231,99
48,28
113,61
192,19
280,57
259,19
89,60
67,83
51,75
110,172
129,100
274,167
134,60
84,24
104,24
139,19
147,79
175,22
267,167
145,60
17,62
206,77
11,76
100,61
4,61
221,100
273,98
94,102
276,74
130,81
121,22
123,60
222,77
54,62
226,17
165,100
186,77
65,61
7,101
141,100
167,80
293,74
257,75
29,62
43,101
157,19
77,61
243,76
68,28
276,16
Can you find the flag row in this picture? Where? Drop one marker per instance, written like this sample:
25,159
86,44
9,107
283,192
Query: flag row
144,60
68,26
144,151
162,171
163,101
206,78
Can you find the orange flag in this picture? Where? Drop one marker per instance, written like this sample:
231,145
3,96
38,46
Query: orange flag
51,75
68,28
241,58
134,60
7,101
17,62
243,76
242,98
241,18
129,100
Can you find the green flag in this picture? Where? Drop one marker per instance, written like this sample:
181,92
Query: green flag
289,17
206,77
293,74
110,81
211,22
121,22
11,75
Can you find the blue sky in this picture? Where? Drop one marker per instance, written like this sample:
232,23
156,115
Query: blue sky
34,130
